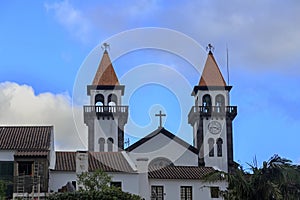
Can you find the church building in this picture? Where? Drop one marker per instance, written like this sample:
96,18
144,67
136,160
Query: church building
160,165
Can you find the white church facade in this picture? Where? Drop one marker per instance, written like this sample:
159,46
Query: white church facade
159,166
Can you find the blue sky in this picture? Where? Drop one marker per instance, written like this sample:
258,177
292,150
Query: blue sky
45,48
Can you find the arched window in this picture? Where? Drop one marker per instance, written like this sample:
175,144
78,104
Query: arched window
101,144
219,147
110,143
211,147
220,102
112,100
99,100
206,102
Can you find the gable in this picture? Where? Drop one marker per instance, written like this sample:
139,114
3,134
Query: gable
166,146
158,133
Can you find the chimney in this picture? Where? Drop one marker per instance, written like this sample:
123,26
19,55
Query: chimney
82,162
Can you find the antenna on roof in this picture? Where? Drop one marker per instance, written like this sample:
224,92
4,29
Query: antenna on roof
227,64
127,142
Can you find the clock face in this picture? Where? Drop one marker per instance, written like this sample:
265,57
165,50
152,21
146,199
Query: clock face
214,127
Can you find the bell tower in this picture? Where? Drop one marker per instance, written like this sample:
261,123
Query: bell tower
211,118
105,116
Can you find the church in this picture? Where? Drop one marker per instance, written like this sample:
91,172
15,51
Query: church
159,166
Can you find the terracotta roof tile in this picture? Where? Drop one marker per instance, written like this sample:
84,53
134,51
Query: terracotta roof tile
31,153
179,172
25,137
105,74
65,161
211,75
107,161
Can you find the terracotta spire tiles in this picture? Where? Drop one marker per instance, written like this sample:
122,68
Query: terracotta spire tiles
211,75
105,74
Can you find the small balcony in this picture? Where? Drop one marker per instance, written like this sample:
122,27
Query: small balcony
212,111
105,111
29,184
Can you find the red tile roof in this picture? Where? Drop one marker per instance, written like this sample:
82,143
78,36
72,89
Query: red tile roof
180,172
31,153
105,74
109,162
25,137
106,161
211,75
65,161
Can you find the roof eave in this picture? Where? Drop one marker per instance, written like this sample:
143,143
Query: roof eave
105,87
213,88
167,134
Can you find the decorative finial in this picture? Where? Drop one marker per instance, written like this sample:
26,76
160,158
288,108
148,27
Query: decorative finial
105,46
160,115
210,48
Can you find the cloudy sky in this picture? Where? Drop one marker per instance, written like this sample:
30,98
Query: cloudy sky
50,51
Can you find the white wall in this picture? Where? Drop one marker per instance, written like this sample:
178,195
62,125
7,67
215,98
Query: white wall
130,182
52,151
216,162
106,128
163,146
6,155
195,130
200,190
57,179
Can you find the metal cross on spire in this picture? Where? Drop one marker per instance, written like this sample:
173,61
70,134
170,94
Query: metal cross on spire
105,46
210,48
160,115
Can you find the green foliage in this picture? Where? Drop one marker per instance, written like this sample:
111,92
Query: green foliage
94,181
277,179
109,193
2,189
95,187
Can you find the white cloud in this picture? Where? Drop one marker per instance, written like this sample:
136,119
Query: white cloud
72,19
260,35
92,21
20,106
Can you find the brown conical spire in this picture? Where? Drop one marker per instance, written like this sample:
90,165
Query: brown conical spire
105,74
211,75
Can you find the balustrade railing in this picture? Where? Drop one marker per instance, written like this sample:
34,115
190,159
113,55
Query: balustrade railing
209,110
105,109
